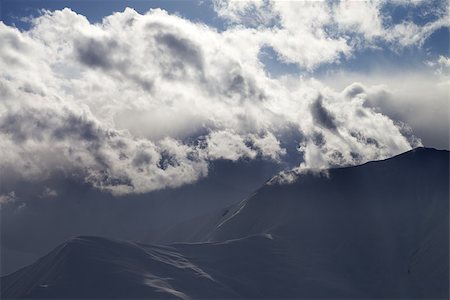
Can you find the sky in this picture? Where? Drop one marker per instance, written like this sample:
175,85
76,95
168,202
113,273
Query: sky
131,98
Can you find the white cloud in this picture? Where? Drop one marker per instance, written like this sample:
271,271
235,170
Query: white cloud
8,198
360,16
269,146
312,33
420,98
441,66
252,12
407,33
48,193
444,61
144,102
227,145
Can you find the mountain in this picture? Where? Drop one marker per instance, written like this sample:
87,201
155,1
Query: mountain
379,230
80,209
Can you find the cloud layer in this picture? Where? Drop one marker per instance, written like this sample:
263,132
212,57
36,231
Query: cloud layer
144,102
310,33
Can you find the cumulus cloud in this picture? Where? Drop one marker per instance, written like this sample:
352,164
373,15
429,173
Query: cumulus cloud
363,17
143,102
296,31
419,99
311,33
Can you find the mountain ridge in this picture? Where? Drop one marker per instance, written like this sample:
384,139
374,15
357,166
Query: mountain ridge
217,218
378,230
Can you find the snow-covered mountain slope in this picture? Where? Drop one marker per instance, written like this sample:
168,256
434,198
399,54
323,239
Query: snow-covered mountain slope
80,209
93,267
412,185
379,230
402,197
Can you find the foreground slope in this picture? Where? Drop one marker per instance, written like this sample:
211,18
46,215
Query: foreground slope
93,267
379,230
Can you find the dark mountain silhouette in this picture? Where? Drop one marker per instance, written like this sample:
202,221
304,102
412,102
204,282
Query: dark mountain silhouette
379,230
80,209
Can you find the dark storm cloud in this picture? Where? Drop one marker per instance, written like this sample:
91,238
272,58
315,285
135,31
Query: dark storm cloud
181,48
75,125
145,83
366,140
73,131
95,53
142,158
106,54
15,125
167,160
321,115
318,139
244,87
40,124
